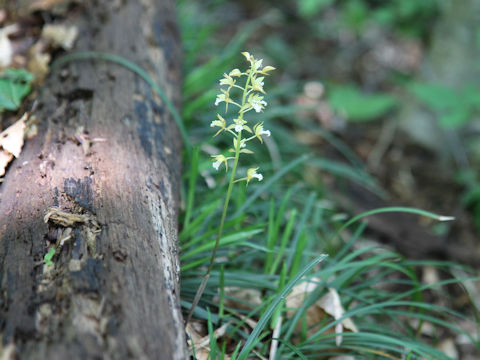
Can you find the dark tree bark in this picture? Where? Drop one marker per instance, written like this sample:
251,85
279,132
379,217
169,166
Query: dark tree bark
113,290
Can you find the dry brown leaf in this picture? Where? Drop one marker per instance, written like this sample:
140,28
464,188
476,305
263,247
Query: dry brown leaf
332,305
328,306
6,50
6,47
201,344
449,348
242,298
430,275
11,139
11,142
38,63
5,158
60,35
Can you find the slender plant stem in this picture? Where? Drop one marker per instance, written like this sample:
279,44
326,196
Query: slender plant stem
202,286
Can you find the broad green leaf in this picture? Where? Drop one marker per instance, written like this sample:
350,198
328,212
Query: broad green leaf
436,96
456,117
359,107
14,86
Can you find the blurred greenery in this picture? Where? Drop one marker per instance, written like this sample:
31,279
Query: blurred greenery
359,106
411,17
453,108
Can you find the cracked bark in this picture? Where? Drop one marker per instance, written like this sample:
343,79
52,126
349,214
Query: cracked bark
113,290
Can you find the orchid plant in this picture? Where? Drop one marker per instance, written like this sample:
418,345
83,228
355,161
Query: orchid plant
250,98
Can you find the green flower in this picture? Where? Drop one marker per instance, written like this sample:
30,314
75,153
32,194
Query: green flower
266,70
255,64
259,131
252,173
223,97
236,72
221,123
227,80
257,84
218,160
240,125
256,102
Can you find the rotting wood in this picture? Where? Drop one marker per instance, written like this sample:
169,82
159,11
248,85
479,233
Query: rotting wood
111,210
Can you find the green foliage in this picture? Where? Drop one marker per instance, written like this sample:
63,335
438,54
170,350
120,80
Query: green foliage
277,229
355,13
453,108
15,84
471,196
308,8
408,16
360,107
49,256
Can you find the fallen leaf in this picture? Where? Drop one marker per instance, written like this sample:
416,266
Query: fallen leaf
430,275
38,63
449,348
60,35
201,344
11,139
5,158
242,298
328,307
332,305
6,50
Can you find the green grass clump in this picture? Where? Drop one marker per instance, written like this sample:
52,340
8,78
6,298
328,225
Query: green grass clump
282,232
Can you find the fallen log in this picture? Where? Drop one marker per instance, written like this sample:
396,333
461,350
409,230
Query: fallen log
99,185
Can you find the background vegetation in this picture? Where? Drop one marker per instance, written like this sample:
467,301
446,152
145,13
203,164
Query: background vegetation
358,100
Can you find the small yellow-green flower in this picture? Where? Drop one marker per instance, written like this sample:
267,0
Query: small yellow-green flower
242,143
266,70
240,124
227,80
255,64
257,84
256,102
221,123
218,160
259,131
248,56
236,72
252,173
223,97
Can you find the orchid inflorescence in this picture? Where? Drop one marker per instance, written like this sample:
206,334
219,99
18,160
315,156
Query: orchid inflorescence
251,99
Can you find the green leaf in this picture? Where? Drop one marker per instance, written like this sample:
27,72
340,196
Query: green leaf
435,96
49,256
455,118
360,107
355,14
308,8
14,86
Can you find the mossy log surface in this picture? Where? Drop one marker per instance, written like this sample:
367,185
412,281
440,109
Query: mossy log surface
113,289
